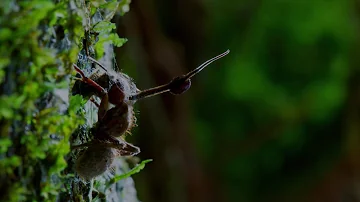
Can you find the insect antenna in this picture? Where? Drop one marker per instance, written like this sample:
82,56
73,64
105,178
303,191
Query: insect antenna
98,63
179,84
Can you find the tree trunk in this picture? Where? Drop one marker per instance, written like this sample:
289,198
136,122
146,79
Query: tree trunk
40,41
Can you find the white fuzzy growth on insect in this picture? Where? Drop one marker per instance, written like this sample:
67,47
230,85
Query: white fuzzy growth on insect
94,161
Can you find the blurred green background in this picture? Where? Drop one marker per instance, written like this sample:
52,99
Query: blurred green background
278,119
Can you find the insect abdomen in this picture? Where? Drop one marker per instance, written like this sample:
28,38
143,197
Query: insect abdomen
94,161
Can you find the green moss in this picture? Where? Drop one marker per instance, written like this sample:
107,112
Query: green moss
35,62
106,35
34,132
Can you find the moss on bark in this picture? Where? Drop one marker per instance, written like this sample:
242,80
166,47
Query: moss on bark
39,41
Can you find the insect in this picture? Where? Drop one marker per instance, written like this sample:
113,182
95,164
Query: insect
116,115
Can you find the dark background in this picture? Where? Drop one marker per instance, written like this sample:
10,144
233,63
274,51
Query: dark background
278,119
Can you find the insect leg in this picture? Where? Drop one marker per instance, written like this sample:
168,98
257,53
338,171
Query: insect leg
94,101
122,147
73,147
89,81
98,63
103,107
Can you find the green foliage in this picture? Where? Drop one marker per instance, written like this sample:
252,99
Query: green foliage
284,86
124,6
106,36
30,69
113,6
133,171
5,144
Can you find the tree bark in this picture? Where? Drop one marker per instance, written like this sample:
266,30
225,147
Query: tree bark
39,43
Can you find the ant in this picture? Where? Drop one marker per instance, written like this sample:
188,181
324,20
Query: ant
116,116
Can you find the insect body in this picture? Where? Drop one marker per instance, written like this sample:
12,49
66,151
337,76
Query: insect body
116,116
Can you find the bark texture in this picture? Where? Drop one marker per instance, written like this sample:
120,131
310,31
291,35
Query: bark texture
40,40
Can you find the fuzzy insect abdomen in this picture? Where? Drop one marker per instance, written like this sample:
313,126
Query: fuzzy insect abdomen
94,161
